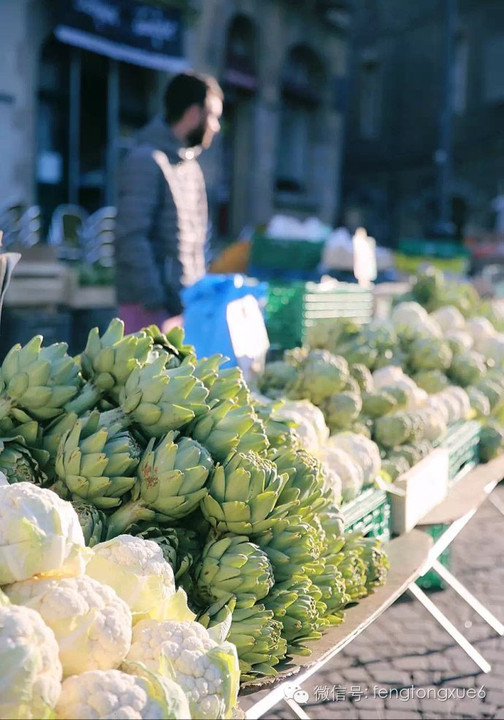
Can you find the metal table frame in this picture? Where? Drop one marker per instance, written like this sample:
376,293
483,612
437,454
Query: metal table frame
455,511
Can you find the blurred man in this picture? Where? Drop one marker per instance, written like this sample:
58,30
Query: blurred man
162,207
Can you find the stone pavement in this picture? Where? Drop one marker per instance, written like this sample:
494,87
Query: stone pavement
405,666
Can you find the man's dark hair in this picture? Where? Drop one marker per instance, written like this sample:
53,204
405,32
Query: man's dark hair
188,89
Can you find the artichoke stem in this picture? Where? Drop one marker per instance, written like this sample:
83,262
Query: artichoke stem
114,421
126,516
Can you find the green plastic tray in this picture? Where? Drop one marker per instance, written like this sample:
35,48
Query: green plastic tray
285,254
292,308
368,513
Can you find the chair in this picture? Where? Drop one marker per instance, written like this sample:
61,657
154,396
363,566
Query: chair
65,231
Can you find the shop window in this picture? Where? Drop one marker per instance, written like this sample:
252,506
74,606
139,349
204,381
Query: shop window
370,99
302,84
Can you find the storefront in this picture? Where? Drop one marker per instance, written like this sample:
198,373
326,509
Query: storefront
101,73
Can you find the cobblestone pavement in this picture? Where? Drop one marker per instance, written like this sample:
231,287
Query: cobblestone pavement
405,666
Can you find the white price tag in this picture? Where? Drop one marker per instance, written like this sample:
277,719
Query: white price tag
248,335
364,257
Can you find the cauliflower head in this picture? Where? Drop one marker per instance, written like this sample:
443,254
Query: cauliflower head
364,452
310,421
30,669
136,569
448,318
207,672
39,533
91,624
103,694
348,469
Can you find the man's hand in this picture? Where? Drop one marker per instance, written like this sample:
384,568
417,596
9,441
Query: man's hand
176,321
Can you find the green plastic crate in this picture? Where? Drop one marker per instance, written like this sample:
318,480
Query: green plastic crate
368,513
462,443
285,254
431,580
439,248
291,308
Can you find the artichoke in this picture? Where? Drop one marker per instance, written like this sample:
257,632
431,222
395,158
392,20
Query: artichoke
429,354
96,465
167,345
297,604
227,427
320,376
93,522
432,381
341,410
479,402
392,430
491,441
108,361
293,547
180,547
160,400
171,480
329,580
277,378
243,495
353,568
39,380
259,642
280,433
379,403
230,383
376,561
305,484
395,466
18,463
467,368
233,567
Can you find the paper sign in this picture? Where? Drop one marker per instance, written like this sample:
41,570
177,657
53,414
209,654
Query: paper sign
364,257
248,335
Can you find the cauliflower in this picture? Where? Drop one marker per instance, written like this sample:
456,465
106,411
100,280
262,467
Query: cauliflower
388,375
429,354
376,404
91,624
458,340
30,670
103,694
363,451
136,569
480,329
311,425
435,424
39,533
449,318
415,320
350,472
207,672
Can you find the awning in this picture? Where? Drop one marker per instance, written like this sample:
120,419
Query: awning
125,30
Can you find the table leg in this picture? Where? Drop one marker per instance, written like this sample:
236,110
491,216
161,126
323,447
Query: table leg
464,593
297,709
497,503
436,613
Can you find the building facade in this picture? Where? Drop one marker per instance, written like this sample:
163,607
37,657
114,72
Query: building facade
401,100
69,111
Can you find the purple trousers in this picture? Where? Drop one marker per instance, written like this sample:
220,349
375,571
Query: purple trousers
136,317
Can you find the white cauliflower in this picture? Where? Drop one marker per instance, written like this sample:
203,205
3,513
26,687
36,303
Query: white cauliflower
350,471
91,624
413,317
136,569
207,672
310,420
30,670
364,451
388,375
39,533
104,694
435,424
460,336
448,318
480,329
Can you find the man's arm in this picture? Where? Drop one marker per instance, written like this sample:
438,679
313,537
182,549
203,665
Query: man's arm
138,276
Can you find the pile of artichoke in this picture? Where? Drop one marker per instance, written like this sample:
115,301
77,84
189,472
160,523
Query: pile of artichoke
146,439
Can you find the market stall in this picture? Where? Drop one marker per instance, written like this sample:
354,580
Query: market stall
249,523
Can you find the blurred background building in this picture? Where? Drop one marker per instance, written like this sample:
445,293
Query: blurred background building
426,112
79,77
